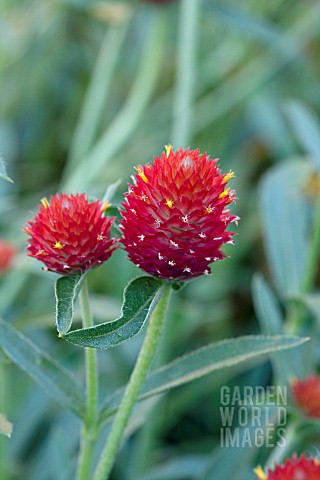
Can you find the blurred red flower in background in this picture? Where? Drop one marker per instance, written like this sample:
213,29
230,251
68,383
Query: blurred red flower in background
7,254
175,215
70,235
306,394
302,468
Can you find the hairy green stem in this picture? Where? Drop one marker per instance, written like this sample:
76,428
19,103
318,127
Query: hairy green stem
186,68
137,377
89,428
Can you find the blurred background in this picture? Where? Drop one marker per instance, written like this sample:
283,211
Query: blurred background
90,89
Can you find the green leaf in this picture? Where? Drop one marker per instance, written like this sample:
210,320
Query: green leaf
67,289
231,460
306,128
57,381
286,215
285,364
6,427
3,172
203,361
140,298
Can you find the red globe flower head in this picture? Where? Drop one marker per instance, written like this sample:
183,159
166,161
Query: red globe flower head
175,215
306,394
302,468
7,254
70,235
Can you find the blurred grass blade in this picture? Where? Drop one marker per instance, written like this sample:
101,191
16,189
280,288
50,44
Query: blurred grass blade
57,381
67,289
245,21
306,127
286,216
285,364
98,92
266,307
186,72
124,124
257,72
140,298
233,460
203,361
177,468
3,172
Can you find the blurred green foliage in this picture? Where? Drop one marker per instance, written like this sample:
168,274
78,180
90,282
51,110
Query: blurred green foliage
88,91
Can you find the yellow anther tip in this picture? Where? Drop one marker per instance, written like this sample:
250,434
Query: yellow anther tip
142,174
45,202
105,206
169,203
58,246
260,473
225,193
228,176
168,149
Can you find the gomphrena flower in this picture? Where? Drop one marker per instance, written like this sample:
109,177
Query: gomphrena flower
302,468
306,394
70,235
7,254
176,213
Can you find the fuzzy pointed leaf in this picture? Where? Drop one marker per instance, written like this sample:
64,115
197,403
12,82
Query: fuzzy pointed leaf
140,298
287,227
203,361
66,291
57,381
6,427
3,172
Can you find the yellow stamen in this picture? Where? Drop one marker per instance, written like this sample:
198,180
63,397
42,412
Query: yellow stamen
225,193
58,245
208,210
168,149
45,202
142,174
261,475
41,252
105,206
169,203
227,176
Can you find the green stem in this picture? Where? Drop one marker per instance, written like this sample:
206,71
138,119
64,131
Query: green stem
89,429
313,254
186,68
297,311
137,377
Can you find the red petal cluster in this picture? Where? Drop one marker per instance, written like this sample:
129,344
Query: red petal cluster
302,468
70,235
306,394
175,215
7,254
